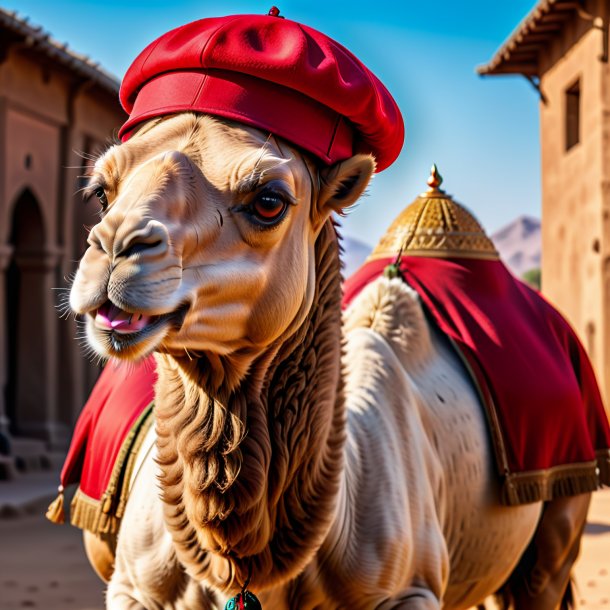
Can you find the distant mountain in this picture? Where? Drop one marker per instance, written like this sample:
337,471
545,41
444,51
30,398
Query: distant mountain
519,244
354,254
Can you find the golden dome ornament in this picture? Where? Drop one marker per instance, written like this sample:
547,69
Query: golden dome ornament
436,226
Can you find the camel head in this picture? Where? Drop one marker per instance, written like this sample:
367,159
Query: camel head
244,134
206,238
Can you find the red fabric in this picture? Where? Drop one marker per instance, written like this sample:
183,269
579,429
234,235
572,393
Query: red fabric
119,397
525,356
272,73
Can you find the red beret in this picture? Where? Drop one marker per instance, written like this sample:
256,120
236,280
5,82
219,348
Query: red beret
272,73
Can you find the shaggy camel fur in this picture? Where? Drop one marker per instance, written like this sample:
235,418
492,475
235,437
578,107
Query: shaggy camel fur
367,484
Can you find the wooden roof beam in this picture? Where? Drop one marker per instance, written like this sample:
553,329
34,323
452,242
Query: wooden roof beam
543,37
547,27
559,18
527,69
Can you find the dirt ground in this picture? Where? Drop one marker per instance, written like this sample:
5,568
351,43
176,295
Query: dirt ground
593,567
44,565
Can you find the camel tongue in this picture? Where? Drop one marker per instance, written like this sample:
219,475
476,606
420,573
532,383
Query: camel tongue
111,317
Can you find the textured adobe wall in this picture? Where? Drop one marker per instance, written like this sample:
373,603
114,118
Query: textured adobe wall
573,239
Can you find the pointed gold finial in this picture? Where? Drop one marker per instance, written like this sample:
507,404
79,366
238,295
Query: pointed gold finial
435,179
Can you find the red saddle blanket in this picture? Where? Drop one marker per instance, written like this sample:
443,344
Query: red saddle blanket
547,421
106,439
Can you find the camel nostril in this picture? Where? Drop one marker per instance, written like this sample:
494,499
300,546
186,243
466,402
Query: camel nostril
140,247
149,241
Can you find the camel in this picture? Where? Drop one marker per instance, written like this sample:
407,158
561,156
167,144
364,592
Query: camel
325,460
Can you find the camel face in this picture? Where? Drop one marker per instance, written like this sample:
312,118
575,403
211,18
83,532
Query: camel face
206,239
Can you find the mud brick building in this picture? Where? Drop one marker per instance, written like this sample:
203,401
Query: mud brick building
56,107
561,47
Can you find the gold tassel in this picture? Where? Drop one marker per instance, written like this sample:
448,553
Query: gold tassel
55,512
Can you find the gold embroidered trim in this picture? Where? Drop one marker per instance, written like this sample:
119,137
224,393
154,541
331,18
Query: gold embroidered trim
489,410
104,516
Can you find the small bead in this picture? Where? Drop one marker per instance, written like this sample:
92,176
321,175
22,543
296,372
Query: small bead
274,11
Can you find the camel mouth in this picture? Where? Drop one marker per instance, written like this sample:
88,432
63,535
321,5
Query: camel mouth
111,318
123,330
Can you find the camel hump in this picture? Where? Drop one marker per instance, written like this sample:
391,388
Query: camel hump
394,310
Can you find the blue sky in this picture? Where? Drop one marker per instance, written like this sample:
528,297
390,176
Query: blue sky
481,132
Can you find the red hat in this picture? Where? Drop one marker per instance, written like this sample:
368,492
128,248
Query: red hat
271,73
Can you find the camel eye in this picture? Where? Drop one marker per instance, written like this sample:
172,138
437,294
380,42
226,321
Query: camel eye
100,193
268,208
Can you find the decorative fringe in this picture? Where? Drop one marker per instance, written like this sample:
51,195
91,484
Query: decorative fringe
544,485
88,514
103,516
55,513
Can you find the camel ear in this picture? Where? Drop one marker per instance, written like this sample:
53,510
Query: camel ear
342,184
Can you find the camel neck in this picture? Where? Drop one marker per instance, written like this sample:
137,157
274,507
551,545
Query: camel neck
249,477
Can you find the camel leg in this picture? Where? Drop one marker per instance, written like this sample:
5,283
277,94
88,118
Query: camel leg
100,553
136,586
120,595
541,579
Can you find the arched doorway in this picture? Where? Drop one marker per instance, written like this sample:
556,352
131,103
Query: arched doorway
26,320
